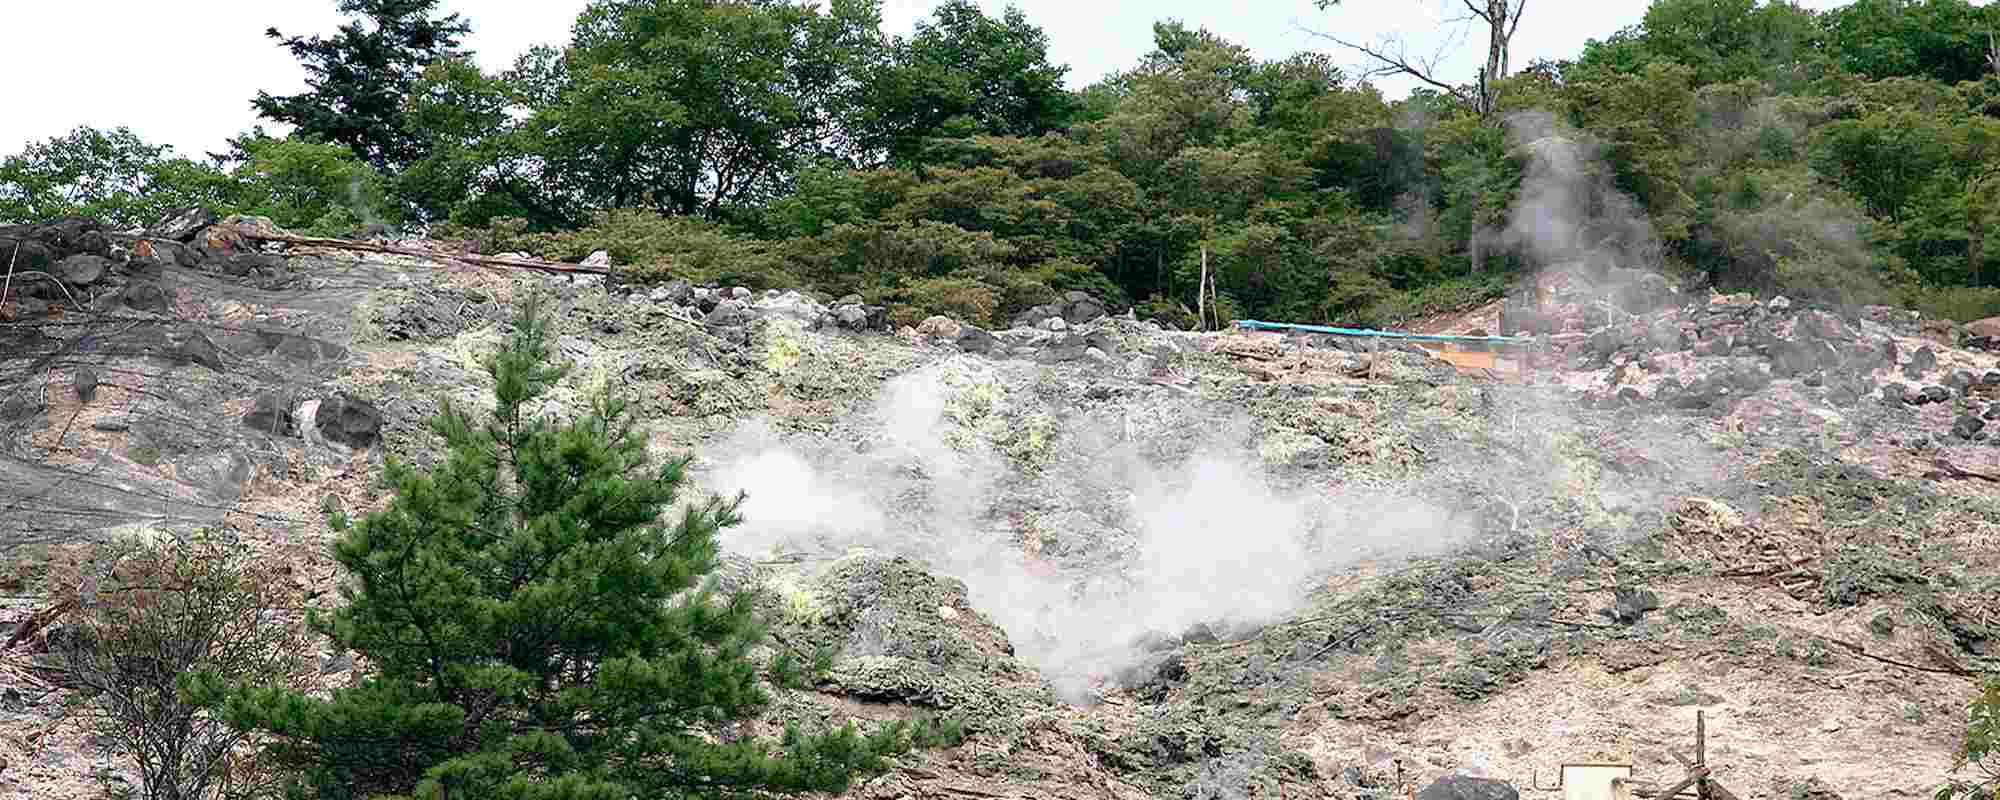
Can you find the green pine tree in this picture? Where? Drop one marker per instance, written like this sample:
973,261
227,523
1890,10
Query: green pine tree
533,628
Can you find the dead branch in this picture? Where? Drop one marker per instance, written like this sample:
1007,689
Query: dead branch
1946,469
371,247
1397,64
1859,651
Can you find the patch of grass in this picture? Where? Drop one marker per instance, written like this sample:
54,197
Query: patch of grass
1845,494
146,454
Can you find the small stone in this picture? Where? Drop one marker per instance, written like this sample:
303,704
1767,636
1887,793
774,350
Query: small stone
599,259
1967,426
1055,324
335,663
111,425
1780,303
86,384
947,613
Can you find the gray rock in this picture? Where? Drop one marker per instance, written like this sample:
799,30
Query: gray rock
336,663
977,340
86,384
1463,787
182,224
1922,361
598,258
83,269
272,414
240,265
851,317
727,313
145,297
197,348
1967,426
1081,311
793,306
1630,604
349,420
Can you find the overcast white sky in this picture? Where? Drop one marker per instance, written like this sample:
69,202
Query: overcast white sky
185,79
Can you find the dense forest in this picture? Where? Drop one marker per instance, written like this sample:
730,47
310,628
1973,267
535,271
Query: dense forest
1850,155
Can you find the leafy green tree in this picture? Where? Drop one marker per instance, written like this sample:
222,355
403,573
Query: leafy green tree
315,188
481,163
112,176
963,73
1720,40
359,80
1646,121
1944,40
532,627
701,106
1885,159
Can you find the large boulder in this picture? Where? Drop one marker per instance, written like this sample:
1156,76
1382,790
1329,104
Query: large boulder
82,269
349,420
1988,327
181,225
272,414
1080,308
799,308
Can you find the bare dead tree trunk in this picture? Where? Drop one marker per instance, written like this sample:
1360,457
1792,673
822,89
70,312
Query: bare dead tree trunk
1501,18
1992,53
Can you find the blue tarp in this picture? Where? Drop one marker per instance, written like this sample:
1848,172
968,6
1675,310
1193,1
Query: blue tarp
1252,324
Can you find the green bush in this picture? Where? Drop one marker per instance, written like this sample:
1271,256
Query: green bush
1958,303
965,299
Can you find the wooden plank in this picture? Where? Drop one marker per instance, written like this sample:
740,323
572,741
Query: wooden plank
1465,360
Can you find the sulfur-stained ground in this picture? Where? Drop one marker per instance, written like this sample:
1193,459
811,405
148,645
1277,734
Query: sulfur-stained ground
1140,563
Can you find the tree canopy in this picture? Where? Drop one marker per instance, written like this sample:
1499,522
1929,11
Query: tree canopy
1844,154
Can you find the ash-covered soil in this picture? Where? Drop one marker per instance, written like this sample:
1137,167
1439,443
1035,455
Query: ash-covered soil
1137,562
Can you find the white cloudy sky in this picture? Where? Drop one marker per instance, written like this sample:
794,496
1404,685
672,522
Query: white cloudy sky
183,73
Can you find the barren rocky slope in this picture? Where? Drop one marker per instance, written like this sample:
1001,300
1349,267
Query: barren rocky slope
1139,563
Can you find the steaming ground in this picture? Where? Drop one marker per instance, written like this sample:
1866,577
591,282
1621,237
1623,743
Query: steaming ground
1195,532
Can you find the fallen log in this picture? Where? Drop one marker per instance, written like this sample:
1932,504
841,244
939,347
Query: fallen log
372,247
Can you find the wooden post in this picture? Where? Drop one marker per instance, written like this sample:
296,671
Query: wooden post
1201,294
1701,754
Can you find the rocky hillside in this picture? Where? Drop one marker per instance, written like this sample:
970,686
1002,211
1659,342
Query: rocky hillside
1138,562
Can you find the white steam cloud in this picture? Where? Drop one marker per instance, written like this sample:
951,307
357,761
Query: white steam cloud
1133,544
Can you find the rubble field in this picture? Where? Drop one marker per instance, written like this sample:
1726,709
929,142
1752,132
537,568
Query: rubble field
1136,562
